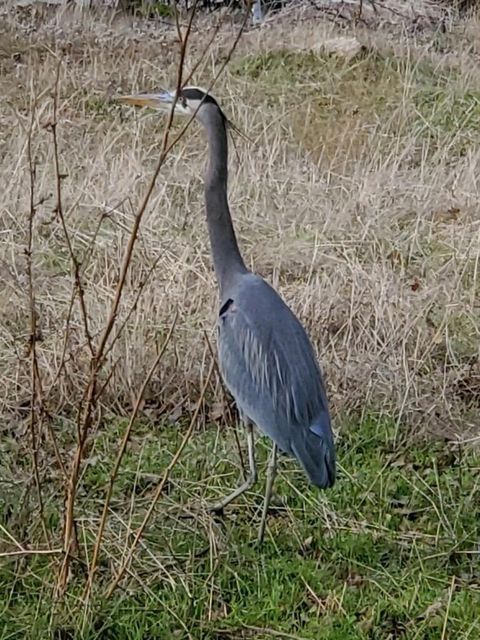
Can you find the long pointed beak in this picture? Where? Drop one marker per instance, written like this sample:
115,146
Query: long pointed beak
160,101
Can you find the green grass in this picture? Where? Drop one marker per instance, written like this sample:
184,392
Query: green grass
371,98
448,110
328,95
140,8
391,552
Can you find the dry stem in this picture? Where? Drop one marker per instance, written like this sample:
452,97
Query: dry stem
138,534
118,461
35,379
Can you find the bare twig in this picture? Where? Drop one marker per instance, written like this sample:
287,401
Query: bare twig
31,552
164,150
98,358
206,49
133,306
87,401
118,461
159,489
69,538
35,381
76,267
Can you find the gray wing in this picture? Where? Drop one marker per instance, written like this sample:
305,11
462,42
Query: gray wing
268,364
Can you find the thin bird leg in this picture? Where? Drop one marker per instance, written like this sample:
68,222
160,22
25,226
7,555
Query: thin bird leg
271,473
251,477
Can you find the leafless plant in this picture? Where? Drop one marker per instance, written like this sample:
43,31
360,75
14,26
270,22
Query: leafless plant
35,380
98,345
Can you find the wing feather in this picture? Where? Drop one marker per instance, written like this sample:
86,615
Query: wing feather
268,363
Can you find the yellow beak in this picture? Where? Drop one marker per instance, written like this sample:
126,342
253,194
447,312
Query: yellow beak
161,100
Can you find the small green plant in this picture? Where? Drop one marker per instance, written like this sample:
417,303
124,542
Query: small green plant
149,8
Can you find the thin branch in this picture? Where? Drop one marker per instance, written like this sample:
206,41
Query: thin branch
159,489
118,461
164,150
206,49
31,552
69,539
98,358
133,306
108,378
59,211
35,391
85,260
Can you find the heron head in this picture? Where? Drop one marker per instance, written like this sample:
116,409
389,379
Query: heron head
190,101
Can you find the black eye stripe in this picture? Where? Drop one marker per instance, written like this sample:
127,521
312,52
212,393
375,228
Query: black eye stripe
197,94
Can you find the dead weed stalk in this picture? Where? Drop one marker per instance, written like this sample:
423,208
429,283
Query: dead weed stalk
96,345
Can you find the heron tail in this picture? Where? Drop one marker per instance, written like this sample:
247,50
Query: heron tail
315,450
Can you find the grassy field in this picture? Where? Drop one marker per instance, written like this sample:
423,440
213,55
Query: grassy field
391,552
357,197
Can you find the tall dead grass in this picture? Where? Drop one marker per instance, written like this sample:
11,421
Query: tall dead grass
346,242
374,241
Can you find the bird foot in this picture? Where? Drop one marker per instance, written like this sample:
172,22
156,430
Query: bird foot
216,509
277,503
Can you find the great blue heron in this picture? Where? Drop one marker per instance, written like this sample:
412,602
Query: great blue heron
266,359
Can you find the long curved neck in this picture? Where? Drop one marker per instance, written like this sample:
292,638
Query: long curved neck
227,259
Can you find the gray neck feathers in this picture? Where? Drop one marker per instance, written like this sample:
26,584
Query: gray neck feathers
226,256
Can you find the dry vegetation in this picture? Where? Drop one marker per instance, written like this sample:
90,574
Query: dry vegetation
358,199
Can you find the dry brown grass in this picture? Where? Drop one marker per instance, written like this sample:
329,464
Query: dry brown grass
372,237
357,200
